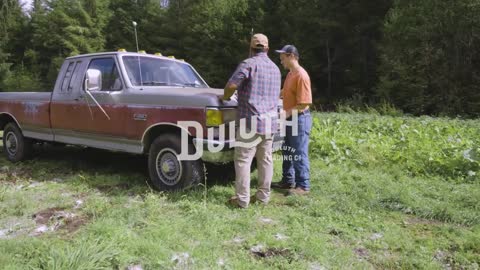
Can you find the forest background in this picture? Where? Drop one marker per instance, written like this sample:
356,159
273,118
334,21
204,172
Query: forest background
418,57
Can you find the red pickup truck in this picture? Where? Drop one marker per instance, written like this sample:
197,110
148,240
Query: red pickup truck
129,102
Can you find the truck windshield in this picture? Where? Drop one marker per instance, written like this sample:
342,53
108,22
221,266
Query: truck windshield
147,71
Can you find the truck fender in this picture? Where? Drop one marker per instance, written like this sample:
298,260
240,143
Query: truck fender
157,129
5,118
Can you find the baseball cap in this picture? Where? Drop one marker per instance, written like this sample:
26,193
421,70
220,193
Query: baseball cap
259,41
289,49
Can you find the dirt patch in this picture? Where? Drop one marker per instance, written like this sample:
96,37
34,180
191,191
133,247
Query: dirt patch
335,232
361,252
422,221
56,218
13,174
445,258
42,217
72,224
273,252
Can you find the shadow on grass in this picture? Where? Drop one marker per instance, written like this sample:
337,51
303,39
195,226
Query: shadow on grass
62,162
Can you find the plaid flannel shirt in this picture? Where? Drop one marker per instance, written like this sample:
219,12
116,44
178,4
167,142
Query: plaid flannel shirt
258,80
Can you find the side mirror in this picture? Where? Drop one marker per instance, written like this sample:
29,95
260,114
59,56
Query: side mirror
93,80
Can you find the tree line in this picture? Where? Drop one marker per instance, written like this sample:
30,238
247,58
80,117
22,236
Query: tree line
423,57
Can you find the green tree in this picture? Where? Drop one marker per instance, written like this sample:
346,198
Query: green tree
430,57
64,28
337,41
12,38
217,45
149,16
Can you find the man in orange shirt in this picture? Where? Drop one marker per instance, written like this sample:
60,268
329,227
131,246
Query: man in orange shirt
297,98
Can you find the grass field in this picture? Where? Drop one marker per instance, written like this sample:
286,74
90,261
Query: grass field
387,193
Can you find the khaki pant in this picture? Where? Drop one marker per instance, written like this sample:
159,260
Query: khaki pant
260,147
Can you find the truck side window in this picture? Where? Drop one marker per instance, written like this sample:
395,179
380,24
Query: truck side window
74,77
110,76
67,77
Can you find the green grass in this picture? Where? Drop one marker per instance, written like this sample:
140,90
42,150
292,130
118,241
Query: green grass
387,202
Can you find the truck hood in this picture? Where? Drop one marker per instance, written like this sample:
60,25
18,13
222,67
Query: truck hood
180,96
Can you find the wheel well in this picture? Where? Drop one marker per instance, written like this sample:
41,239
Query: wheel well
5,119
156,131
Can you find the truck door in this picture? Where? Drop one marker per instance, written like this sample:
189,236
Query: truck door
67,108
76,118
110,123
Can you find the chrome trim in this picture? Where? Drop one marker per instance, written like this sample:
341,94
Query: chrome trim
11,143
38,135
36,132
160,170
101,142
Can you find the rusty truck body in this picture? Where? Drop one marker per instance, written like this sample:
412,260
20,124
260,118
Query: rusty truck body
123,101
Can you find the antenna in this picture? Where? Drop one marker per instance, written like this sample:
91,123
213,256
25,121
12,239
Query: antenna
135,29
250,49
138,57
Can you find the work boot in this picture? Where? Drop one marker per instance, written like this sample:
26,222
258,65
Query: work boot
282,185
253,200
297,191
235,202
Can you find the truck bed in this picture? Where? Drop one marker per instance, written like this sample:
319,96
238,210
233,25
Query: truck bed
30,110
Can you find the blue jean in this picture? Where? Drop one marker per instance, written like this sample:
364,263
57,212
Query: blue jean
296,165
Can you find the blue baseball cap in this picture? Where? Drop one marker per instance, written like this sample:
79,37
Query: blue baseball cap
289,49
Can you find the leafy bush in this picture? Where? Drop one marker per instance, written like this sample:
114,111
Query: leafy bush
423,146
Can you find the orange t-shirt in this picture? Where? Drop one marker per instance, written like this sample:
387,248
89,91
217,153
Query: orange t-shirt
296,89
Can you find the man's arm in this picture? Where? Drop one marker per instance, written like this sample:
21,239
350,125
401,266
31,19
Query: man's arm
240,74
229,90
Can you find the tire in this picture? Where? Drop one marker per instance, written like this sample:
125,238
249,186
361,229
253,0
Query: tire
15,146
167,173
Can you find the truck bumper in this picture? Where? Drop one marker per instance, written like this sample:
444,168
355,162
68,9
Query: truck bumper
226,154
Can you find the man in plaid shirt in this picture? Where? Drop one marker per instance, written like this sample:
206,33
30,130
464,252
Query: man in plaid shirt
257,81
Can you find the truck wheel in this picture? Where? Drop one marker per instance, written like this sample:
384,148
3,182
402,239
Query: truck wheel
15,146
167,172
